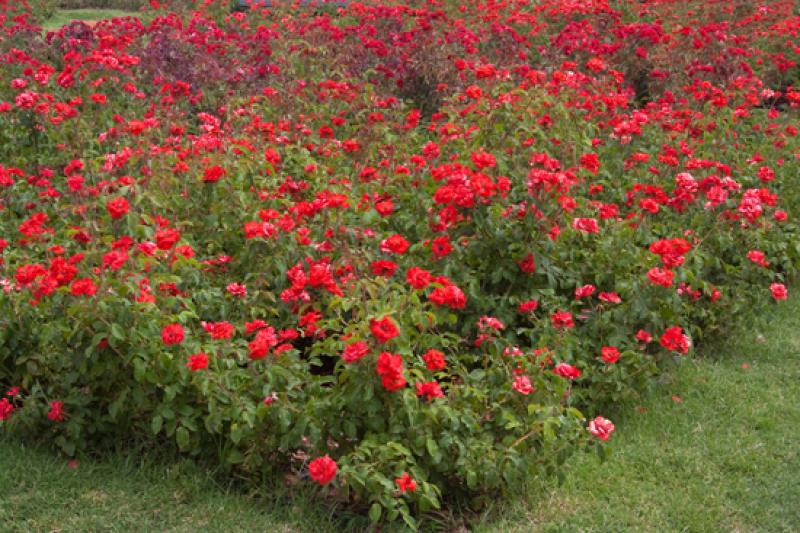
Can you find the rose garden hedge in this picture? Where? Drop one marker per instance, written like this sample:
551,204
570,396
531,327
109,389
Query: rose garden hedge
413,253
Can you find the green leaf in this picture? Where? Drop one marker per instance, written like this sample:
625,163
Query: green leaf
235,457
155,424
409,520
182,438
375,512
117,332
433,450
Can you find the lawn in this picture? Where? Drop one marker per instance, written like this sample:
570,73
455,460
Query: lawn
713,449
65,16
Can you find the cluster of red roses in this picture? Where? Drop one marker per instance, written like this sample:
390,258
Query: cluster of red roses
390,209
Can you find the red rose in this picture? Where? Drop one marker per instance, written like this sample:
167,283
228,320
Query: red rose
609,354
434,360
596,64
354,352
485,71
418,278
384,207
406,483
430,390
260,346
167,238
255,325
219,330
449,295
383,268
83,287
757,257
390,369
197,361
322,469
395,244
482,159
383,329
117,207
671,251
562,319
272,157
6,408
590,162
610,297
393,382
56,413
527,264
213,174
172,334
440,246
237,289
675,340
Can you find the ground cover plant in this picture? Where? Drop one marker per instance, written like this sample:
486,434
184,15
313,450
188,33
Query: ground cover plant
413,254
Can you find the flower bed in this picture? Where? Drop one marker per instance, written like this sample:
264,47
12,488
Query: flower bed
412,255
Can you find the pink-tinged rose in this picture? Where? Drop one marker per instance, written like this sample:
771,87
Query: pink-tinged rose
566,371
602,428
586,225
779,291
644,336
584,291
522,384
660,276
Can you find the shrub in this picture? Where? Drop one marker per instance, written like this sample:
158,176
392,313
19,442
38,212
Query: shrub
248,238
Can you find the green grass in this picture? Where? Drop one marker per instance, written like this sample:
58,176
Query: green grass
723,456
40,492
65,16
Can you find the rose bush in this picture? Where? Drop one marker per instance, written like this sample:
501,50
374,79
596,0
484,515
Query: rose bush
288,243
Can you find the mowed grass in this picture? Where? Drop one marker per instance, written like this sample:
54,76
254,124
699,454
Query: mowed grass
39,492
714,448
65,16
